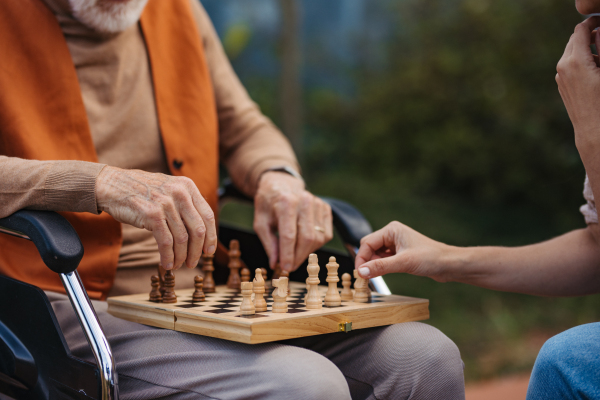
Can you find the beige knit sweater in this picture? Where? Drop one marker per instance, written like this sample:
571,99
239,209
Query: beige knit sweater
116,86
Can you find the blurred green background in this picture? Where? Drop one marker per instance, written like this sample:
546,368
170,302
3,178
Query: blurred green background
442,114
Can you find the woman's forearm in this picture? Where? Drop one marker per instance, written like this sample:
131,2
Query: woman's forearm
568,265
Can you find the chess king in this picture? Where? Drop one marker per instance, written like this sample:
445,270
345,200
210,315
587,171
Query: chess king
117,113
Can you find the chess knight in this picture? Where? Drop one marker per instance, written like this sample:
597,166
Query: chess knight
118,113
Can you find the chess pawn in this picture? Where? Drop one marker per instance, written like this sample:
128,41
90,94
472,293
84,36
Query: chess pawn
361,289
245,275
169,285
233,282
279,295
155,294
207,269
260,303
346,291
247,307
332,297
267,281
313,299
198,293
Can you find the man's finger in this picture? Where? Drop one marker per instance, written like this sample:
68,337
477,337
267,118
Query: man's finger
164,239
263,228
286,212
179,233
307,235
196,232
209,220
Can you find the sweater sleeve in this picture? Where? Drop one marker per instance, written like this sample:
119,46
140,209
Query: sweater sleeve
47,185
249,143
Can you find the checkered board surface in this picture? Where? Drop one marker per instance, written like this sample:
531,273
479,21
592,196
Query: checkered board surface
218,316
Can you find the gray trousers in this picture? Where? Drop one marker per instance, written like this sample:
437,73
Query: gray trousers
405,361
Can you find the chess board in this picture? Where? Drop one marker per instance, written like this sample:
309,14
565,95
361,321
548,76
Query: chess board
218,316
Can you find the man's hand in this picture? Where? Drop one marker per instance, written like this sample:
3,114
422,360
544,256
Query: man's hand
171,207
398,248
578,79
303,221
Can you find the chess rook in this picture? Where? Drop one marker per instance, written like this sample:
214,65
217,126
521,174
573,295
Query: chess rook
313,299
361,289
207,269
247,307
198,293
233,282
260,303
280,295
155,294
346,291
332,297
169,295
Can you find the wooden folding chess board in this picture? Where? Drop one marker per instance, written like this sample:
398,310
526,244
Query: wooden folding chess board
218,316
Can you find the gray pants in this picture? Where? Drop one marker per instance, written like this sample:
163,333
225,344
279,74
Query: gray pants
404,361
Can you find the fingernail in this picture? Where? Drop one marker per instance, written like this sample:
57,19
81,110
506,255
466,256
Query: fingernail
211,249
169,266
365,272
194,264
287,267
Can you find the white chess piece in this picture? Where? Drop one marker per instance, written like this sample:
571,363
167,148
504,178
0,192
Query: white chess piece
247,307
279,295
313,299
361,289
346,291
332,297
260,305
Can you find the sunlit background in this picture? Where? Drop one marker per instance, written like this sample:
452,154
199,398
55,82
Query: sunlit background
442,114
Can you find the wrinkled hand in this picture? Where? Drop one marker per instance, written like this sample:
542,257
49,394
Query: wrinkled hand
171,207
578,79
398,248
303,221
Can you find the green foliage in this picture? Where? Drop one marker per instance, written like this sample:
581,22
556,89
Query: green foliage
236,39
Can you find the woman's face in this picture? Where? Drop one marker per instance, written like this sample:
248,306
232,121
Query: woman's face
587,6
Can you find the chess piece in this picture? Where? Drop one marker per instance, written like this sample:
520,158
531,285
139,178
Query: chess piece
346,291
169,296
245,274
279,295
247,307
277,271
361,289
313,299
233,282
332,297
260,304
198,293
207,269
267,281
155,294
307,288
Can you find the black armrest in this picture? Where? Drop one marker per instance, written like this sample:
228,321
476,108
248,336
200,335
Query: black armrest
347,220
55,238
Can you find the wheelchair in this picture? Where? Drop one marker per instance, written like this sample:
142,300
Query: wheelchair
35,361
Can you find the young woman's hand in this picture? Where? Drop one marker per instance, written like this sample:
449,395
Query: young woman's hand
398,248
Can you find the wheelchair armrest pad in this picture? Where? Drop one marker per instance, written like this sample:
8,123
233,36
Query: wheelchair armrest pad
55,238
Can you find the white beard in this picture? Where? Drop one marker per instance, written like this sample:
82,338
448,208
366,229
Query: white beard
107,16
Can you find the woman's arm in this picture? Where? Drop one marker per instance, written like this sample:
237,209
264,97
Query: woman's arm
568,265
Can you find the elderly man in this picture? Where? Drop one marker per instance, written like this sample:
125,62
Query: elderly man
117,112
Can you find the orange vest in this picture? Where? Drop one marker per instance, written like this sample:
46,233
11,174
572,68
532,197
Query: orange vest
42,117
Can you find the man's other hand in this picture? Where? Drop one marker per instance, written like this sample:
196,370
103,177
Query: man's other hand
303,222
171,207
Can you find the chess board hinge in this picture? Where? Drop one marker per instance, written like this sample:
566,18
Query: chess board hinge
345,327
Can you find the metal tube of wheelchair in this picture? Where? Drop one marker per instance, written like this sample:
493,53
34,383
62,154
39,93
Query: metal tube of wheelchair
94,334
378,283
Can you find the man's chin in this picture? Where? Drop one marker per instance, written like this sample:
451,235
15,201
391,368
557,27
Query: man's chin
108,16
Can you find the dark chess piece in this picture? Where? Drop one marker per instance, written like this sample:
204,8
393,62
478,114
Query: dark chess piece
245,275
234,281
155,294
277,272
207,269
198,293
169,295
284,274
